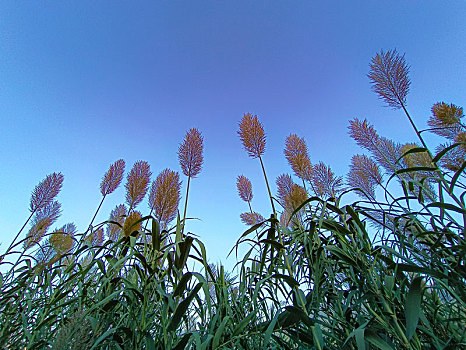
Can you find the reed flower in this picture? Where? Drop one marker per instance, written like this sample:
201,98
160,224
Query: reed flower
117,215
43,219
164,196
453,159
95,238
385,152
137,183
251,218
46,191
285,186
190,153
326,183
364,174
446,120
112,178
296,197
461,138
252,135
62,239
389,78
244,188
417,159
297,156
132,223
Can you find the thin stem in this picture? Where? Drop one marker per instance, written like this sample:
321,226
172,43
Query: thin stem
17,235
98,208
268,187
185,205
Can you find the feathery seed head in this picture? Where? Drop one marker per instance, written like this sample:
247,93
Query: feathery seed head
61,240
461,138
285,187
251,218
95,238
453,159
325,182
363,133
190,153
46,191
364,173
252,135
117,215
445,120
131,223
42,220
244,188
297,156
418,159
165,196
389,78
296,197
112,177
137,183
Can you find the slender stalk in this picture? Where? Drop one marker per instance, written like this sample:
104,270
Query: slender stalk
185,205
268,187
287,262
17,235
98,208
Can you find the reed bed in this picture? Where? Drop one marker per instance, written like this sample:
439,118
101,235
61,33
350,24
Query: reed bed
386,271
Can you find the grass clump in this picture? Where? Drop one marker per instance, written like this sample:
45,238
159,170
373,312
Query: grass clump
386,271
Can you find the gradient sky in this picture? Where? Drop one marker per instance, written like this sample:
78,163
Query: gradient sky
84,83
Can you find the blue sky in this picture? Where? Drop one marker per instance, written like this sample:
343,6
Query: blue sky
84,83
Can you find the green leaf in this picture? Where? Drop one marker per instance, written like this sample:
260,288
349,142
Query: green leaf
182,284
182,343
288,279
182,307
359,335
219,332
413,306
240,327
269,330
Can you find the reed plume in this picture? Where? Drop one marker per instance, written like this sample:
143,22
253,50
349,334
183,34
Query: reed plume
243,184
110,182
417,159
389,78
446,120
326,183
164,196
62,239
46,191
461,138
297,155
297,196
95,238
137,183
190,153
191,159
252,135
251,218
452,159
113,177
132,223
118,215
284,187
385,152
43,219
364,174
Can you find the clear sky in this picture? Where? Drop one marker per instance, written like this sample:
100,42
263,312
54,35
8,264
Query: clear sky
84,83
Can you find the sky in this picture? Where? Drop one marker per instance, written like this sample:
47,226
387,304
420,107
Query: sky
84,83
